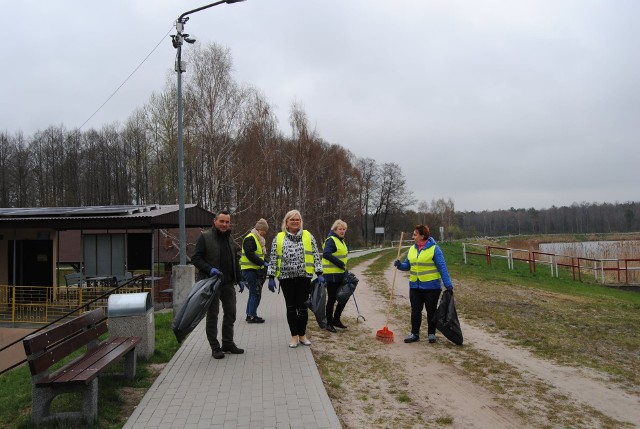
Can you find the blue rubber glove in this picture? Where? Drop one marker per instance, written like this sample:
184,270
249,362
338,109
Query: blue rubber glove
396,263
241,286
214,272
320,279
272,285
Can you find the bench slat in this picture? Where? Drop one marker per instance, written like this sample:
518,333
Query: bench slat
97,360
91,364
118,348
60,350
43,340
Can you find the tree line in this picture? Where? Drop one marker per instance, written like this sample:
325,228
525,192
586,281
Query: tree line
237,158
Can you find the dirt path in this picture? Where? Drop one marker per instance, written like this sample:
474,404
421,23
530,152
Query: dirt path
445,390
444,393
583,385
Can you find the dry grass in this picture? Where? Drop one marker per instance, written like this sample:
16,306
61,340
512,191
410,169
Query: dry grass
574,328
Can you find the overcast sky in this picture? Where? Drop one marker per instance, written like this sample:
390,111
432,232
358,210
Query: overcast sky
492,103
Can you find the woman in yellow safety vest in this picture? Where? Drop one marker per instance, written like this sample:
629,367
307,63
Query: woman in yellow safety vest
254,267
427,271
334,265
294,258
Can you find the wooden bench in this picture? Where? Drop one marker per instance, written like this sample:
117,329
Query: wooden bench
44,349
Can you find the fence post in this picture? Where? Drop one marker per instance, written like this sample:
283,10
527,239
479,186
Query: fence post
13,304
626,273
618,264
579,273
464,252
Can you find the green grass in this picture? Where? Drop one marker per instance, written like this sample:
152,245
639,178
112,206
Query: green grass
570,322
113,409
574,323
582,324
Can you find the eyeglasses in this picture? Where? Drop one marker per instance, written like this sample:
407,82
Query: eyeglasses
294,220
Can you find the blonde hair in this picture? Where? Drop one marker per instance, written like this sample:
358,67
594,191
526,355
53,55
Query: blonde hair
289,215
338,223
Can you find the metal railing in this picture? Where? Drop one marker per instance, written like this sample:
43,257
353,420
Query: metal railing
49,310
42,304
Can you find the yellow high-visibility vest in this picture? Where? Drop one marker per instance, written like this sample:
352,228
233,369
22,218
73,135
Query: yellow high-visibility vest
308,251
246,263
341,252
422,266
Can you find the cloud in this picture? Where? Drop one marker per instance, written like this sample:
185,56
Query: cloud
492,103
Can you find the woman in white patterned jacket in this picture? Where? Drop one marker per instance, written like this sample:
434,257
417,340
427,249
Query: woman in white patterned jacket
294,261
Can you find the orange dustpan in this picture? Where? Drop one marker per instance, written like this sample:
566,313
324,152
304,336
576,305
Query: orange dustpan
384,334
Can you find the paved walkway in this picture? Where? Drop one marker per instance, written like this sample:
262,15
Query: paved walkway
269,386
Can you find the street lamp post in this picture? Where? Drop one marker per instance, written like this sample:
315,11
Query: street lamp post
177,41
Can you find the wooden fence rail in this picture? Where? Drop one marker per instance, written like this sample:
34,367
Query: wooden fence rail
625,270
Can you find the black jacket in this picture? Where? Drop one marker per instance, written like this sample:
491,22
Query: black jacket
217,250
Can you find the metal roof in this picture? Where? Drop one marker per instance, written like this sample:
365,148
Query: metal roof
101,217
73,211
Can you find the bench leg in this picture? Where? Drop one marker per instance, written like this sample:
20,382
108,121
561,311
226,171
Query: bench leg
42,397
90,401
130,360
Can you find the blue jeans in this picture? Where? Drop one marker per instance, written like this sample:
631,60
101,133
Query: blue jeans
255,291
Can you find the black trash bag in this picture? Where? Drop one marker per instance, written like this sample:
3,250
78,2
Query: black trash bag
195,306
346,288
447,318
317,302
261,277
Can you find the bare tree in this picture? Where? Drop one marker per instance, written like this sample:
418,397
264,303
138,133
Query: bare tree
392,196
367,185
162,129
7,159
257,163
212,119
138,148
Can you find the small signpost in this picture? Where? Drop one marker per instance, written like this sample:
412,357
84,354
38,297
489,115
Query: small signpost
379,230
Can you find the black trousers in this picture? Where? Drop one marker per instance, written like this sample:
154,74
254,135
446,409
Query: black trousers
423,298
296,292
227,297
332,290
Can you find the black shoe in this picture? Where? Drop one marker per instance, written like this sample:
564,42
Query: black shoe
254,319
233,349
339,324
331,328
411,338
217,354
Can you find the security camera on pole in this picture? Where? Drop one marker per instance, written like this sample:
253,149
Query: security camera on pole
183,275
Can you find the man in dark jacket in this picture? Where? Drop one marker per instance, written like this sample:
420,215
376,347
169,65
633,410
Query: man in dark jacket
217,254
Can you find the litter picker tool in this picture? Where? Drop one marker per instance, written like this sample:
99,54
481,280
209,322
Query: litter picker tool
384,334
360,316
